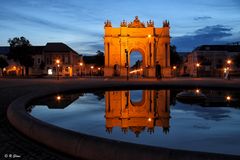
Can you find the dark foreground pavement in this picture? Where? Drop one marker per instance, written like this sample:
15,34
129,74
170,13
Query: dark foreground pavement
12,142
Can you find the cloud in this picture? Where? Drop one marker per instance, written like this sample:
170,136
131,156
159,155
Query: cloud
202,18
215,34
87,47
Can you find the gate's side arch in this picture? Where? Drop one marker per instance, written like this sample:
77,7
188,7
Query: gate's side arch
153,43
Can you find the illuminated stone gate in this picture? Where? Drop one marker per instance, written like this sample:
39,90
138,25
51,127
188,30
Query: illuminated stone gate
149,112
153,43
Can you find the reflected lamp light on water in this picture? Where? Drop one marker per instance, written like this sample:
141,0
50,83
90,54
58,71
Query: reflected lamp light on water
228,98
58,98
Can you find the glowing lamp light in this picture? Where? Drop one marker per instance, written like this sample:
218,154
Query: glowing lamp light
81,64
92,67
228,98
229,61
198,65
14,67
174,67
4,69
197,91
225,70
59,98
149,36
149,119
57,61
99,68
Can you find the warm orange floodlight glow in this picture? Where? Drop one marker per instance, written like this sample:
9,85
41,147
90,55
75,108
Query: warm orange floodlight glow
136,70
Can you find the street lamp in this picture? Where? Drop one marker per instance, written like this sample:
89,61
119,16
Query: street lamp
229,62
99,71
197,65
58,65
80,64
227,73
174,71
126,51
91,70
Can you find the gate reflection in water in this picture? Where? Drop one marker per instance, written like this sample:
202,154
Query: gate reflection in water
152,110
150,117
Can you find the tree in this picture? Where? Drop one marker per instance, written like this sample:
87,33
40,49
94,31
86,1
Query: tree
99,53
3,63
175,59
237,60
20,50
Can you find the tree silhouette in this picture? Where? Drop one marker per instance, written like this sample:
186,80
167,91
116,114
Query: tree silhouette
237,60
20,50
3,63
175,59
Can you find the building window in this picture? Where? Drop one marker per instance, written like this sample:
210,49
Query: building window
50,71
66,69
39,60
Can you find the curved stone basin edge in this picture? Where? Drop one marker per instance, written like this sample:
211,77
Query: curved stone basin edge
90,147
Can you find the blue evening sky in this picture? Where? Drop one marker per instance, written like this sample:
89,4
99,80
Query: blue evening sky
80,23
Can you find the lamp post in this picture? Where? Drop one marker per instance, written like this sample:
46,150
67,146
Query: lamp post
91,68
126,51
197,65
229,62
58,65
174,71
80,64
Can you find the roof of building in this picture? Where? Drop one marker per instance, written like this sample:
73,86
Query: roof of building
228,48
37,49
58,47
98,60
49,47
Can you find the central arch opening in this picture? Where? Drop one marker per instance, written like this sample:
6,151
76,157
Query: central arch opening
136,64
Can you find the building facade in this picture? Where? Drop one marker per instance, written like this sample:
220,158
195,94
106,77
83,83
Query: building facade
53,59
211,60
